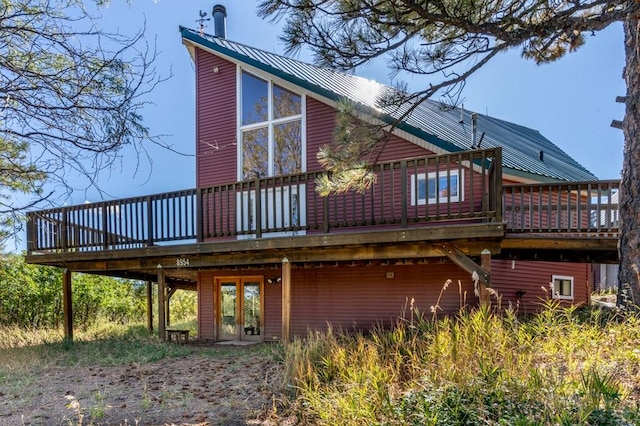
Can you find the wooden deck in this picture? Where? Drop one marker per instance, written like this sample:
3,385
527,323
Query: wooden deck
404,215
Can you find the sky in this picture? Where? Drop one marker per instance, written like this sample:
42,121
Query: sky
571,101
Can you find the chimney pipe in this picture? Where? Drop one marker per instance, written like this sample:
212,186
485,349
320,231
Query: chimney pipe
219,21
474,129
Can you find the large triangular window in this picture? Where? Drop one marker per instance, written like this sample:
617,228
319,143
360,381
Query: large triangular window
271,129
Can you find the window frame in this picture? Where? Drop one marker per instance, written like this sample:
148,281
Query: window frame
555,295
270,124
426,177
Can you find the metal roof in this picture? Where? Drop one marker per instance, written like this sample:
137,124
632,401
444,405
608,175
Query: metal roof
448,128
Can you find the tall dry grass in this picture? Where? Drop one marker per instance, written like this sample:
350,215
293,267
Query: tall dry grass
482,366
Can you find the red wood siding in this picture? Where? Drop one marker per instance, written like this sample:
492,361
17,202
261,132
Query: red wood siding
359,297
321,123
206,310
216,150
272,308
508,277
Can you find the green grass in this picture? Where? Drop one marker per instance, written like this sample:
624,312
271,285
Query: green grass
104,344
563,366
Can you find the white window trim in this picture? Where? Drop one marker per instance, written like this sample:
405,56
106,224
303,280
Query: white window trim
433,175
553,289
270,123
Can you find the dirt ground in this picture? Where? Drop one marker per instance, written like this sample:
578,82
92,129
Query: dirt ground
198,389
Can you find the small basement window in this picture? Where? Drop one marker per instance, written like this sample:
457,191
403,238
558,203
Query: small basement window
435,187
562,287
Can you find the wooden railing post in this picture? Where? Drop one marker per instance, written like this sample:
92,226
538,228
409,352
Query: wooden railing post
405,193
105,231
31,232
497,185
150,220
325,214
199,216
259,209
64,231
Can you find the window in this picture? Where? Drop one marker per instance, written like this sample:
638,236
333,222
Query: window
271,129
562,287
442,187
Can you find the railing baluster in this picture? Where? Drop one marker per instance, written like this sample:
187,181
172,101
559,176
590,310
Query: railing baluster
559,209
149,222
258,198
569,212
579,205
590,218
404,192
401,197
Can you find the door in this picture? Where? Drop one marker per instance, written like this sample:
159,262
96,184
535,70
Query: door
239,308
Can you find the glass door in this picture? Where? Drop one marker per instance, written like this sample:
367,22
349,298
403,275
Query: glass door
252,309
228,310
239,310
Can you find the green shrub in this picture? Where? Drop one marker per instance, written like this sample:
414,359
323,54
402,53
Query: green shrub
31,297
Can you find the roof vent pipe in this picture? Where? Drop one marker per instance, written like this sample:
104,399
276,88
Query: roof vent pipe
474,129
219,21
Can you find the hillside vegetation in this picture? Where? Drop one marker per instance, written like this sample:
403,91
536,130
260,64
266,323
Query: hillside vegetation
31,298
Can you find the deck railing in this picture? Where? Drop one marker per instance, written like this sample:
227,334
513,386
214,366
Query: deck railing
423,191
117,224
576,207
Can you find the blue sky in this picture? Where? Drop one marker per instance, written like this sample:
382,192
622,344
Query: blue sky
571,101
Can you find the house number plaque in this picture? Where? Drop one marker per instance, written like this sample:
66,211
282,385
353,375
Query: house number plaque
182,261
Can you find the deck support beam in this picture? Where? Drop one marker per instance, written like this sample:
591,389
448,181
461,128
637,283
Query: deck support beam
162,327
286,300
67,304
483,271
150,307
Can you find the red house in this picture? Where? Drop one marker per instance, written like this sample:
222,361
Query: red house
271,259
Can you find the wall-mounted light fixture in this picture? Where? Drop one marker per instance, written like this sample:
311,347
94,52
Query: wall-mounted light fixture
274,280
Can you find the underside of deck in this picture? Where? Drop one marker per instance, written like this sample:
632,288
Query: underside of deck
181,262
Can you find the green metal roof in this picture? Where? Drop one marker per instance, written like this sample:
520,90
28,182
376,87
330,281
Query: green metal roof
447,128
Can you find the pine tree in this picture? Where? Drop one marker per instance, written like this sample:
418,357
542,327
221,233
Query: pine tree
70,100
452,39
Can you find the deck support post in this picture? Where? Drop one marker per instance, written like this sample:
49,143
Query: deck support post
286,300
67,305
485,264
150,307
482,271
161,297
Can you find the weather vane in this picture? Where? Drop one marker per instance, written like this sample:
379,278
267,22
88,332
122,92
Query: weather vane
202,20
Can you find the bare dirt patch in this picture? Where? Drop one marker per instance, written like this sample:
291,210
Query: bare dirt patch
240,387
